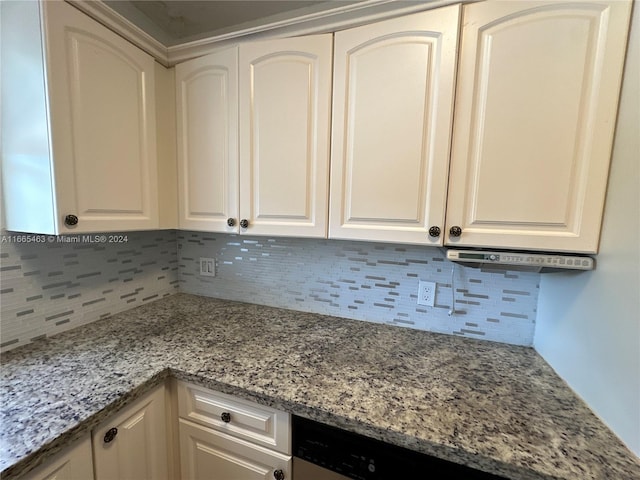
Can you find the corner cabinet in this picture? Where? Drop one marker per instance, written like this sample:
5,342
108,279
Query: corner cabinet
392,115
253,138
79,151
207,125
134,443
536,104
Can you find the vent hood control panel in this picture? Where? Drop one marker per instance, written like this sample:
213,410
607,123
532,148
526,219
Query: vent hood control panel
522,260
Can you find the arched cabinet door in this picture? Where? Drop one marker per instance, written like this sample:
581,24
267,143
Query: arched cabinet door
102,120
536,103
285,104
207,126
392,116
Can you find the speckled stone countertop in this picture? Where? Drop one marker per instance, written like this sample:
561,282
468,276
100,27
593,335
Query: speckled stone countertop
494,407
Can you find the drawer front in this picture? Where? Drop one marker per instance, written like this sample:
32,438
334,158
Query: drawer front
207,454
243,419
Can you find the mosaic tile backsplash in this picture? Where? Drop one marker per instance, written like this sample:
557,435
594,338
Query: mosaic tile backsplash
363,281
49,287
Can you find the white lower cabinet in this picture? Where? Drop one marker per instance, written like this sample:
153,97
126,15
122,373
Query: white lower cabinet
72,463
226,438
133,444
207,454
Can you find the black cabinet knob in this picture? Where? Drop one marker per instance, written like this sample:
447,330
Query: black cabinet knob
231,222
455,231
434,231
244,223
278,474
110,435
225,417
70,220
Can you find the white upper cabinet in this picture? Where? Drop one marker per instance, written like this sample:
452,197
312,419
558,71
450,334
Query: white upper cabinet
79,124
253,138
392,116
285,102
207,124
536,103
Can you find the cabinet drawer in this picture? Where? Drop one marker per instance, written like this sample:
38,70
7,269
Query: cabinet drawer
247,420
205,453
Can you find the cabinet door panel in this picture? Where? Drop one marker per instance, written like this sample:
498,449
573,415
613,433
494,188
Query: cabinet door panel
103,124
285,90
250,421
206,454
73,463
535,113
139,450
393,100
207,109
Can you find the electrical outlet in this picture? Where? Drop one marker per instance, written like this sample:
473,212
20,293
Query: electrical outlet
426,293
207,267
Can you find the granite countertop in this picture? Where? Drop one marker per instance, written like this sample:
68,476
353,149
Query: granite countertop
494,407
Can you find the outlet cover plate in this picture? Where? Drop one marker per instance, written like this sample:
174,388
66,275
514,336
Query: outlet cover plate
426,293
207,267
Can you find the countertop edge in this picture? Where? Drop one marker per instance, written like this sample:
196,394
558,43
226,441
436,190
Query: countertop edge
49,450
84,426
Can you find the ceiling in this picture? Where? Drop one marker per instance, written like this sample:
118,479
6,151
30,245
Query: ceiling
173,22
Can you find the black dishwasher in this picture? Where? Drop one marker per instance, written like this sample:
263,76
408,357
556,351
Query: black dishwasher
355,456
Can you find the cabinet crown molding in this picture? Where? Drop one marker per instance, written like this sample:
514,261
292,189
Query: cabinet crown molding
340,17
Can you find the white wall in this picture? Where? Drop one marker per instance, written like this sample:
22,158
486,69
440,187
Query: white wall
588,324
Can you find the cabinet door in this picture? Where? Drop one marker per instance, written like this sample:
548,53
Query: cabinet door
285,99
538,86
139,448
392,115
72,463
207,111
101,98
207,454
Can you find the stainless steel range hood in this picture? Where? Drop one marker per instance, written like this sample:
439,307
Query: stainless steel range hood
523,261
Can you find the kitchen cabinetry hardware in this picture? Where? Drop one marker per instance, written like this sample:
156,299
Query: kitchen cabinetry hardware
381,67
508,186
258,440
434,231
231,222
244,223
455,231
141,449
70,220
110,435
81,129
222,172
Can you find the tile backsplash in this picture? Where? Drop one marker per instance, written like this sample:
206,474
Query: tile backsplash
363,281
64,282
49,287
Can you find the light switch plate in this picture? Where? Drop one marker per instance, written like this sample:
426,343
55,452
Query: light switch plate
426,293
207,267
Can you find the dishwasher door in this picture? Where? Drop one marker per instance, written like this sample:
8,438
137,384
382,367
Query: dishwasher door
303,470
